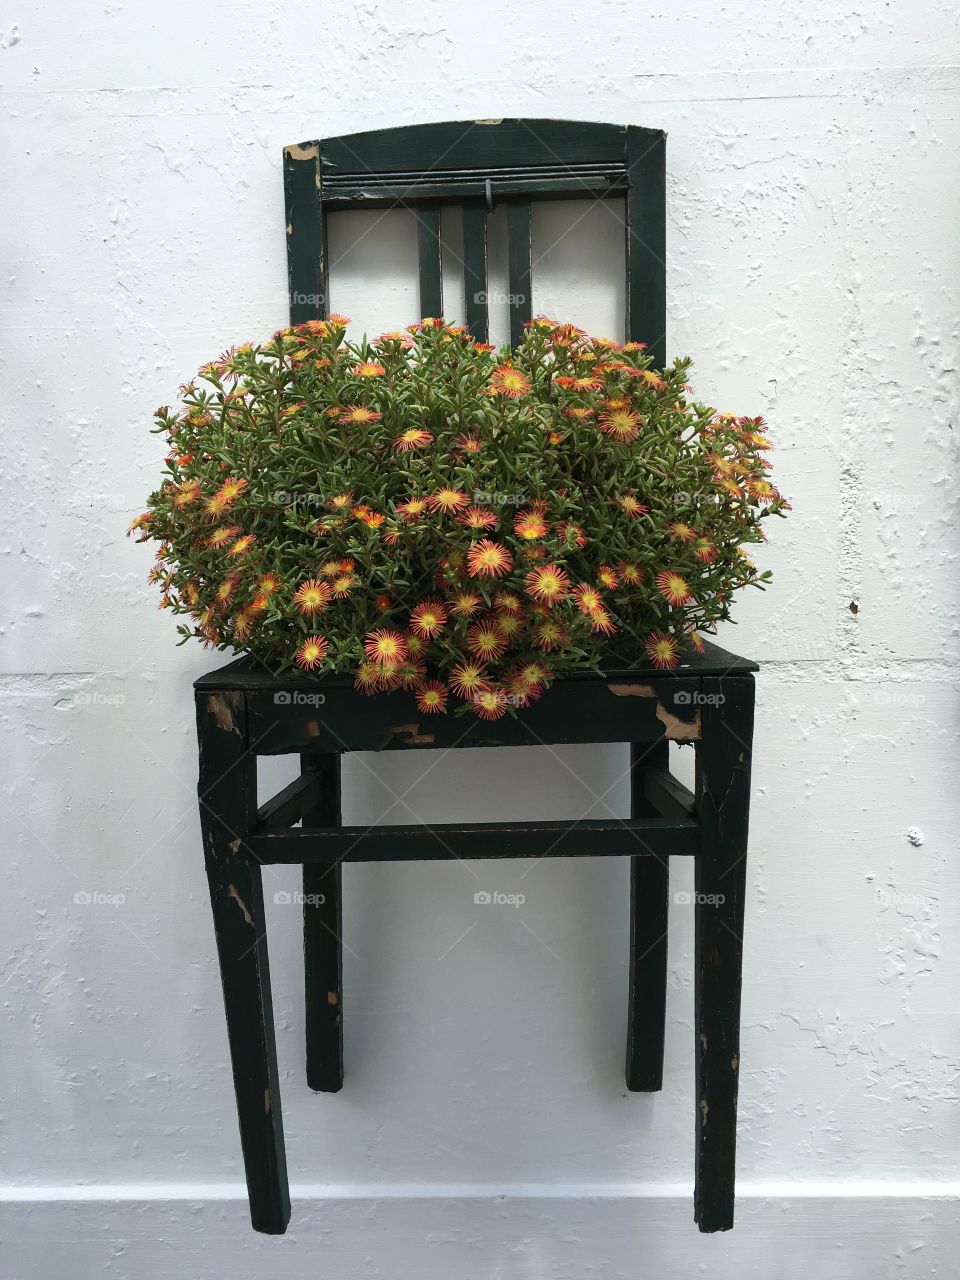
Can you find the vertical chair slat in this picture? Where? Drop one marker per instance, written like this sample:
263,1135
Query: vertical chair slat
649,924
430,259
646,241
520,282
306,233
475,269
322,937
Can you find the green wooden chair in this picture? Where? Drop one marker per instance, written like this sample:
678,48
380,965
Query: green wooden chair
244,712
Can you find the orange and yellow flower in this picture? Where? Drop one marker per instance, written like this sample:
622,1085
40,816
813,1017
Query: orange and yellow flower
467,679
548,583
620,424
508,381
312,652
413,508
632,506
225,496
487,559
428,619
674,588
466,603
490,704
447,499
662,650
589,599
530,525
412,438
385,646
477,518
486,641
607,577
432,697
312,597
368,369
241,546
358,415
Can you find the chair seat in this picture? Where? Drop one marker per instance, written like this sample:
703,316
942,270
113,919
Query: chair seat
295,713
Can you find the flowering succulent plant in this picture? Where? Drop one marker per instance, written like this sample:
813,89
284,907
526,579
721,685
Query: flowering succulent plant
433,515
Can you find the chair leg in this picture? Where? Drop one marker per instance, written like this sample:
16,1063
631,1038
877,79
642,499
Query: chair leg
649,899
227,795
723,802
322,946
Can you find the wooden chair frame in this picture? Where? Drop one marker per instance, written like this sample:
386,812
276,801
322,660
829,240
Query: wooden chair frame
244,712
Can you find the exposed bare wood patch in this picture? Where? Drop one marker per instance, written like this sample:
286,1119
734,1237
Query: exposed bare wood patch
676,729
412,733
298,152
267,1102
218,704
332,997
232,890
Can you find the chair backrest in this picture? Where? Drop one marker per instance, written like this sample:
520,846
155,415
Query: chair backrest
474,164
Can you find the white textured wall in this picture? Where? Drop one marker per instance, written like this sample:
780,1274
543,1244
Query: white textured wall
813,264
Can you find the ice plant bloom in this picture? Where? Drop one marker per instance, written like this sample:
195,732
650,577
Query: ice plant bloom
432,697
607,577
588,599
413,508
632,506
312,597
225,496
386,647
662,650
428,619
681,530
312,652
530,525
549,583
368,369
447,499
508,381
601,621
467,679
490,704
630,573
412,438
477,518
241,546
549,634
620,424
268,584
486,641
358,415
466,603
674,588
487,559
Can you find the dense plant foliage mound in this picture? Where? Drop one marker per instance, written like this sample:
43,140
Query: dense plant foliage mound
432,515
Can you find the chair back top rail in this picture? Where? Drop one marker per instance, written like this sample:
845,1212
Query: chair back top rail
475,164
